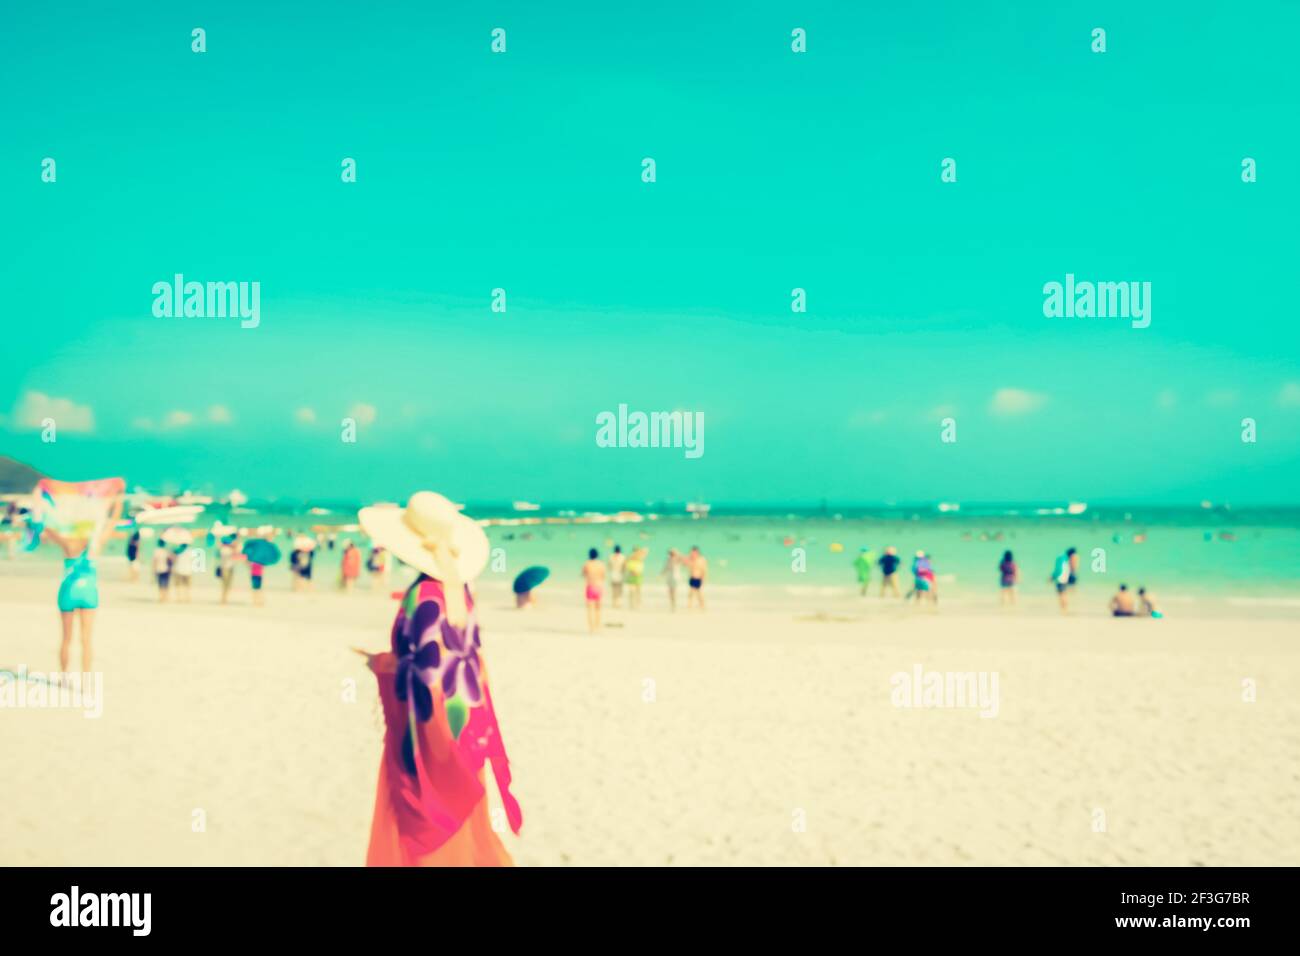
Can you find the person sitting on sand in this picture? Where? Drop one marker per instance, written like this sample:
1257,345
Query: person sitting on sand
698,567
1008,571
1147,604
889,563
1122,604
616,562
593,572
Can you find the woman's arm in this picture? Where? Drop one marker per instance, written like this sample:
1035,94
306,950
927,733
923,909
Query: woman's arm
110,525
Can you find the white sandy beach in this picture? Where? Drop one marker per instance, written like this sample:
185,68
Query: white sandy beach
759,721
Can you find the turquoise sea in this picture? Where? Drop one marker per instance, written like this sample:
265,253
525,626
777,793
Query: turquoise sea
1242,553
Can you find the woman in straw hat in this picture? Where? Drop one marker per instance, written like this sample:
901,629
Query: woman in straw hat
440,727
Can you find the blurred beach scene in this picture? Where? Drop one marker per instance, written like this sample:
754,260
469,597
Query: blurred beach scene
734,436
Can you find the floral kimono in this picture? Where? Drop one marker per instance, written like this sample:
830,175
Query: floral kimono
431,808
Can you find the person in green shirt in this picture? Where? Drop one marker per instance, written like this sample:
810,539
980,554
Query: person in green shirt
862,565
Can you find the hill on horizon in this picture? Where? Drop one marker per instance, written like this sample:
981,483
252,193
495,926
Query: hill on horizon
16,477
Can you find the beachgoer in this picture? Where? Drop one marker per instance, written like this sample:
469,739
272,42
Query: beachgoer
1009,573
133,556
350,565
698,567
862,565
377,565
617,561
182,568
78,597
593,572
1147,604
303,554
431,805
634,576
1064,576
674,573
1122,604
162,569
227,557
923,579
255,573
889,563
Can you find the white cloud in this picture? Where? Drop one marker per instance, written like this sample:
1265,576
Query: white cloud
219,415
363,414
943,411
1167,399
178,419
1221,398
305,416
1289,397
143,424
35,407
1016,401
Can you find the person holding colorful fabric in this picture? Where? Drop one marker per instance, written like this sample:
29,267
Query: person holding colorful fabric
79,517
431,805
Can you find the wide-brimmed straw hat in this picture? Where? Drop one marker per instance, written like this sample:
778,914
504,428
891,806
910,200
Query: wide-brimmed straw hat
431,535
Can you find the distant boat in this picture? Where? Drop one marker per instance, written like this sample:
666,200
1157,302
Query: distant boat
949,506
318,511
697,509
1077,507
527,506
189,498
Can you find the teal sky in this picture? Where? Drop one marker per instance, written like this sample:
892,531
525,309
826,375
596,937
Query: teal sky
775,170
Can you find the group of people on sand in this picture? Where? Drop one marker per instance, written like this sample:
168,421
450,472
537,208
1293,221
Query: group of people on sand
173,566
627,571
1064,577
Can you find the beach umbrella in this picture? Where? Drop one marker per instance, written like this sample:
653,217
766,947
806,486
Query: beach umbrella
261,551
529,578
178,536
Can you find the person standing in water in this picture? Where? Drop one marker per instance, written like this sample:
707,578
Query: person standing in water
698,566
1064,576
674,573
79,592
593,573
634,575
1008,572
617,561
